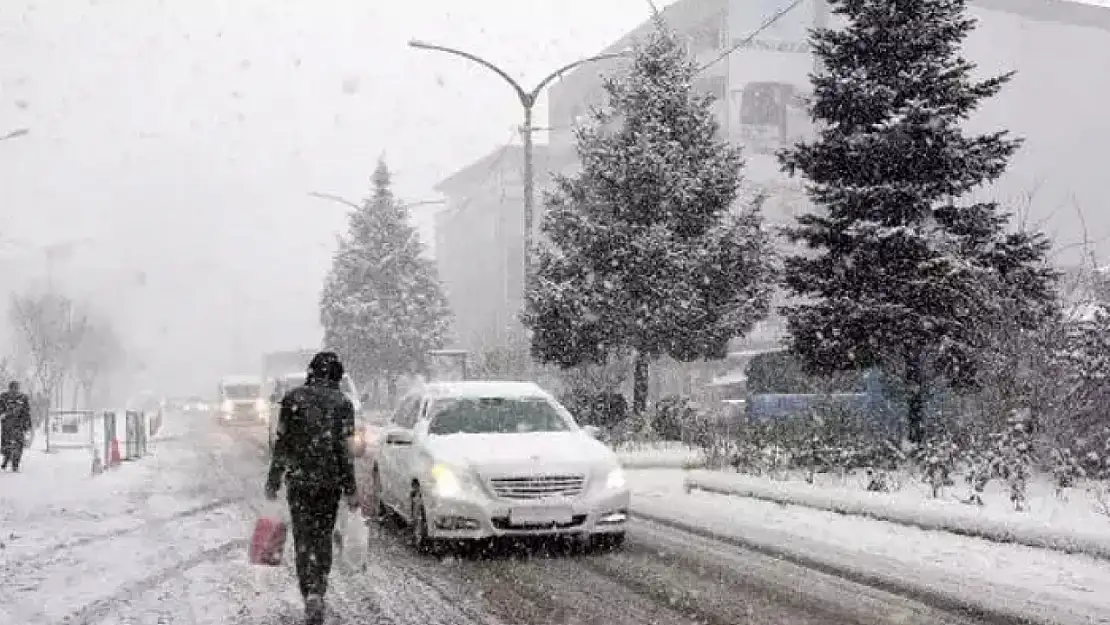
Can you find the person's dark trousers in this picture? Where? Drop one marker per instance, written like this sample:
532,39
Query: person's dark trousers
13,453
313,511
16,455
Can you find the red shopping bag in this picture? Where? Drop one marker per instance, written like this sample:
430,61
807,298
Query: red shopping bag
268,541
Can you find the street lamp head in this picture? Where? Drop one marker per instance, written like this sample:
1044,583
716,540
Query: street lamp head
19,132
416,43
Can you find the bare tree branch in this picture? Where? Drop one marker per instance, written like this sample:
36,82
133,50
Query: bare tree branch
50,327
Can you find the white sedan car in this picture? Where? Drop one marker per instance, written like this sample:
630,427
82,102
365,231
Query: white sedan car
473,460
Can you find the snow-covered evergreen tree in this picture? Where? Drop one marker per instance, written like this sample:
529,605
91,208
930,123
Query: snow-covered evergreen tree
902,272
1015,447
1085,363
939,463
382,306
642,250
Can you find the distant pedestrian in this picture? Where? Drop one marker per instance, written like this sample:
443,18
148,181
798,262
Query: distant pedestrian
15,423
311,455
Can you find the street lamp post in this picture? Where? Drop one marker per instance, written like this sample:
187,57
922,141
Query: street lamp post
528,101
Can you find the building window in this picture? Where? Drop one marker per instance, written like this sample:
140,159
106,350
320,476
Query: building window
764,103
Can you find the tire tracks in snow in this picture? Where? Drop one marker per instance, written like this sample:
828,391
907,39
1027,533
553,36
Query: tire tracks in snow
387,590
110,573
101,609
104,574
43,556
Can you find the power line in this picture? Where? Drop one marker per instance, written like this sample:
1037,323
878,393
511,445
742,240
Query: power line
770,21
762,27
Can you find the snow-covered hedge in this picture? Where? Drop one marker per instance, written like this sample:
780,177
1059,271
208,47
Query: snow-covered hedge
945,515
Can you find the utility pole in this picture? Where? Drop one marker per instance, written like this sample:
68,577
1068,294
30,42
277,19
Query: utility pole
820,20
528,102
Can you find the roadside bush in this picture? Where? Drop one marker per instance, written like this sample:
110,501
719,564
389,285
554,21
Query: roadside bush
635,430
605,410
671,415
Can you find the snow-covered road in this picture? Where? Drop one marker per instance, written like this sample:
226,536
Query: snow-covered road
162,541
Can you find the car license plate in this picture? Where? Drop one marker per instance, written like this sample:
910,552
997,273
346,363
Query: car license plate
540,515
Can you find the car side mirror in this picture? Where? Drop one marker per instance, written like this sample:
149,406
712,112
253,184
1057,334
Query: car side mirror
592,430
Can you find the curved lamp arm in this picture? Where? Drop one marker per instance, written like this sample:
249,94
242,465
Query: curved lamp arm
334,198
569,66
525,98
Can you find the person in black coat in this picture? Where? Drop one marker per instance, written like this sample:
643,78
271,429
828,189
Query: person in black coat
15,423
312,457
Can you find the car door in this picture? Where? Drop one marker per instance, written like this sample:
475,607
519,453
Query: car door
397,439
409,457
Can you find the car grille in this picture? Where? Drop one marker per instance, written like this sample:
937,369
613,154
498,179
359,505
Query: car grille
538,486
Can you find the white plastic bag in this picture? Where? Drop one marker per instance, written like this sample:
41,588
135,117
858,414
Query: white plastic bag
350,536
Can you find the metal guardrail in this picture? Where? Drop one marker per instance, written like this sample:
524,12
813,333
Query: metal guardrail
69,429
135,442
99,432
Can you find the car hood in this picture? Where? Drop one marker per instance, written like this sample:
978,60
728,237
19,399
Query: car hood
496,453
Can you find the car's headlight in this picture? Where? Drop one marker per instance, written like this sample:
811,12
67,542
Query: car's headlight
447,483
227,405
616,480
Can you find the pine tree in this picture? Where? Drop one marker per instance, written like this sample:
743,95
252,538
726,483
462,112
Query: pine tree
382,306
644,254
1083,363
902,271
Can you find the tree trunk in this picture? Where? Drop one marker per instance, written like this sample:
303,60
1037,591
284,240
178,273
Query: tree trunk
640,383
915,416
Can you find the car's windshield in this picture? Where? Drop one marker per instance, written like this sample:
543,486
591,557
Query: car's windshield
242,391
496,415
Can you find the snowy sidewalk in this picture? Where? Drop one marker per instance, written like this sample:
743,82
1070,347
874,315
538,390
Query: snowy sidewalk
1078,524
56,498
1012,580
150,536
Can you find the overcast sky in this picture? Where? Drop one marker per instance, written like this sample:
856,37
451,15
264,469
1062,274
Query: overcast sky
180,137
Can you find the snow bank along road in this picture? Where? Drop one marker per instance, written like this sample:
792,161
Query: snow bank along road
183,561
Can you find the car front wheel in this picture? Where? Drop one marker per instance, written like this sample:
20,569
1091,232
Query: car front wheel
375,508
418,524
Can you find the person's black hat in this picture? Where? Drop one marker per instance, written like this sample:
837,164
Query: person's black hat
326,366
